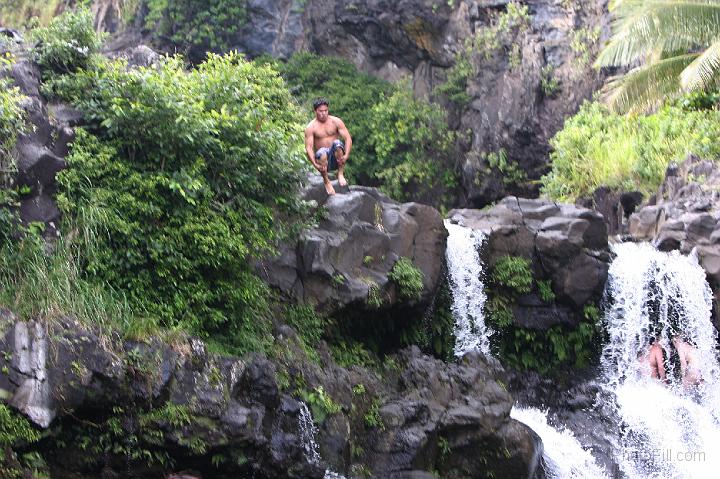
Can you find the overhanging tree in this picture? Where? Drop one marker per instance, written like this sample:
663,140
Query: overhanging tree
672,46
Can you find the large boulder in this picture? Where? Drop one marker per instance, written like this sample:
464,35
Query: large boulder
684,216
566,244
348,258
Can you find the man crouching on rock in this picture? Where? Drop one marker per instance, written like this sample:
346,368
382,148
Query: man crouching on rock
323,146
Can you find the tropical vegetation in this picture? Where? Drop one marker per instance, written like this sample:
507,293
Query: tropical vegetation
672,46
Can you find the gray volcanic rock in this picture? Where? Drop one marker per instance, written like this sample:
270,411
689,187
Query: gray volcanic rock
565,243
350,253
684,216
195,406
40,149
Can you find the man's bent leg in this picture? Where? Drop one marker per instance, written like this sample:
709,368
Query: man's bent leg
326,180
341,174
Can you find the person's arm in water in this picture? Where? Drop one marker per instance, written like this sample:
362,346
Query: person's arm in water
309,148
345,135
660,362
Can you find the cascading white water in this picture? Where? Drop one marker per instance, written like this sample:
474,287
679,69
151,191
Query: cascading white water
667,430
564,457
465,270
308,431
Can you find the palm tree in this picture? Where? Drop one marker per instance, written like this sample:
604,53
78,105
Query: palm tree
672,46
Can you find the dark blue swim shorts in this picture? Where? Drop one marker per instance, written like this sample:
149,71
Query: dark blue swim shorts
332,161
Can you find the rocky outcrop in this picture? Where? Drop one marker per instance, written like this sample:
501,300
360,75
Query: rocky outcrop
684,216
41,149
346,261
565,244
233,417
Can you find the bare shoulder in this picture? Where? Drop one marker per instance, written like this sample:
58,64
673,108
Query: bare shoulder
310,126
337,121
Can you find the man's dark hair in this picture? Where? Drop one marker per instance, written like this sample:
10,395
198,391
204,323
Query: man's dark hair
318,102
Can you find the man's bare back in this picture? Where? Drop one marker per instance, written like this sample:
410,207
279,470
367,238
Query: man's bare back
689,368
323,145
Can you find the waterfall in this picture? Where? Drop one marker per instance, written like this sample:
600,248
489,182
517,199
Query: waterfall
308,431
465,272
666,430
563,455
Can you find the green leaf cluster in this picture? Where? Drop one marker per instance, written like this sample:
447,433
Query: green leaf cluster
400,144
68,43
408,278
599,148
12,123
513,272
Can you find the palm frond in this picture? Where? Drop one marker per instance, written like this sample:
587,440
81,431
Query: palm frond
644,26
645,87
703,73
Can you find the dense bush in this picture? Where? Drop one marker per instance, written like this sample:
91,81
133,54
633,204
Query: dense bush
191,173
67,43
400,144
600,148
195,28
12,123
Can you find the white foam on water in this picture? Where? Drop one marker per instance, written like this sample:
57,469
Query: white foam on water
466,279
564,456
667,430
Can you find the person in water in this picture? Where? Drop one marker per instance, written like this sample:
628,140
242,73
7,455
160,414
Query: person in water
652,360
323,146
687,357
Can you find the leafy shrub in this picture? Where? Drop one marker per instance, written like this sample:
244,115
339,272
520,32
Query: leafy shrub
513,272
193,171
599,148
408,278
195,28
67,43
545,291
321,404
12,123
400,144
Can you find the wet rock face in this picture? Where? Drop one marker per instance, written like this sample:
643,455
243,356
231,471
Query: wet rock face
347,258
684,215
195,406
565,243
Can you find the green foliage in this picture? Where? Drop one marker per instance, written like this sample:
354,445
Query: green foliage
513,272
408,278
599,148
192,171
309,325
400,144
676,43
12,123
372,418
548,83
512,173
67,43
321,404
37,283
543,350
454,88
545,290
352,353
15,430
582,42
195,28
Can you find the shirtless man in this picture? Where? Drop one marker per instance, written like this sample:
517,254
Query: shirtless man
323,146
688,362
653,361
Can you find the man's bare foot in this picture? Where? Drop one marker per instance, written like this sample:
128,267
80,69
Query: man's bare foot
341,180
329,188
